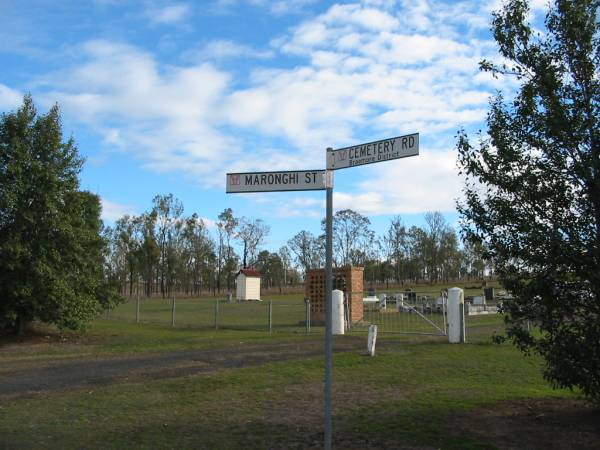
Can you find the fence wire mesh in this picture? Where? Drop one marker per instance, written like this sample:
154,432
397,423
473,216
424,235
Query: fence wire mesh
404,312
282,315
399,312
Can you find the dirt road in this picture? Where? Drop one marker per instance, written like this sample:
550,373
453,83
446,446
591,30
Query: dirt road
62,374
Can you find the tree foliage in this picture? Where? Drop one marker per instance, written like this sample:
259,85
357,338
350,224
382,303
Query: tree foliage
353,238
532,197
50,245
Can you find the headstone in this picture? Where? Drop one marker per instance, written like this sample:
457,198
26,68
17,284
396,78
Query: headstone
400,302
488,292
371,340
456,316
479,300
382,301
338,312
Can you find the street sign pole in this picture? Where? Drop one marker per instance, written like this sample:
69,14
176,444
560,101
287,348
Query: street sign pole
328,307
310,180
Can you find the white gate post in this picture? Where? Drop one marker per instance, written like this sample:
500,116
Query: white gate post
456,316
371,340
338,311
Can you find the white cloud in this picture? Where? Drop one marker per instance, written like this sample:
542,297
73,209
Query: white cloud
301,207
166,117
10,99
282,7
111,211
224,49
275,7
209,223
169,14
427,182
361,71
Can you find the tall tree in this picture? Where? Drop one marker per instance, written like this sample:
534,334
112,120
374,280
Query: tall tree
128,244
437,234
252,234
307,250
148,252
353,238
532,196
167,210
198,248
50,245
286,261
394,243
226,228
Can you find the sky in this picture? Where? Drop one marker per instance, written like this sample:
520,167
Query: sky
167,97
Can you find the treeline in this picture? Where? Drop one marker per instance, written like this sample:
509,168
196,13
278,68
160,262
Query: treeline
163,252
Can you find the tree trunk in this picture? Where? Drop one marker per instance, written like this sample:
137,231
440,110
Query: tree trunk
21,325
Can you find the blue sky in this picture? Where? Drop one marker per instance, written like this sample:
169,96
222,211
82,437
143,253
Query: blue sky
166,97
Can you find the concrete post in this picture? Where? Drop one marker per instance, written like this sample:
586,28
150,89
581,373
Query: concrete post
338,311
372,339
456,316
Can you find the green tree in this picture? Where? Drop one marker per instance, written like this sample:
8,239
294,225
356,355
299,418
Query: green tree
51,251
532,195
167,209
227,258
394,243
251,233
353,239
308,250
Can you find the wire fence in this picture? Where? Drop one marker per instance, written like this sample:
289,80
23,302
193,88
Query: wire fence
406,312
270,316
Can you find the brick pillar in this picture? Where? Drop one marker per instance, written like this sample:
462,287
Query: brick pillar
355,294
347,279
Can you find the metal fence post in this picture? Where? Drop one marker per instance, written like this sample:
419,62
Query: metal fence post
137,308
173,312
328,312
217,315
307,316
270,317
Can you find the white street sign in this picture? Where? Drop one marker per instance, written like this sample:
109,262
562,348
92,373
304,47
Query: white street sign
373,152
292,180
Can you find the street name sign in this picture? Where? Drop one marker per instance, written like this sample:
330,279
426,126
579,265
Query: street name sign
291,180
373,152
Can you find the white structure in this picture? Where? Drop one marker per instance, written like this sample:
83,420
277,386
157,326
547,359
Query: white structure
382,301
456,316
247,285
372,339
338,312
479,300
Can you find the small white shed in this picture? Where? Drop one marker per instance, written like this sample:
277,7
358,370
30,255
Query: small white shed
247,285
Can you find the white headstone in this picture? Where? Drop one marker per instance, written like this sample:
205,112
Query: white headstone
372,339
456,316
400,302
382,301
338,311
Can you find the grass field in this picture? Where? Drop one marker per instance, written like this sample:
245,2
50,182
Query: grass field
417,392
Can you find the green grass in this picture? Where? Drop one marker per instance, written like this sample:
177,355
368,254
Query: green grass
230,410
405,394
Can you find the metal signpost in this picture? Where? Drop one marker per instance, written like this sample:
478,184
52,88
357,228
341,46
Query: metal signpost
311,180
